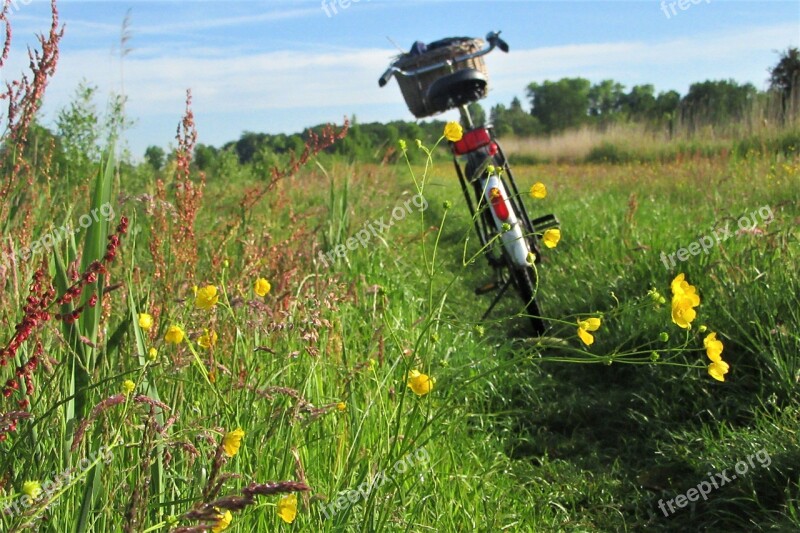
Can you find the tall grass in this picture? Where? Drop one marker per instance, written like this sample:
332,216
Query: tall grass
315,371
763,126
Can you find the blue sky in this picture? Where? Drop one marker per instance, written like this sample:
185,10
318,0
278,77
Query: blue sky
284,65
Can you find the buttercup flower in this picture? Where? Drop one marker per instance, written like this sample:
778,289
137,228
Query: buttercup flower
32,489
145,321
420,383
683,312
206,297
531,258
538,191
287,508
341,406
684,300
551,237
128,387
718,369
152,354
232,441
174,335
713,347
223,521
585,326
262,287
453,131
208,340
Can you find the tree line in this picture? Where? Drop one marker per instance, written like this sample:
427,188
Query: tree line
550,107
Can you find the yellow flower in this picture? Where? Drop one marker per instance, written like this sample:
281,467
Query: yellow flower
208,340
287,508
152,354
718,369
684,300
262,287
551,237
680,286
713,347
232,442
341,406
32,489
538,191
453,131
206,297
585,326
145,321
223,521
128,387
174,335
420,383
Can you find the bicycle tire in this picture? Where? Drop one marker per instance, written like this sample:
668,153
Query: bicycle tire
524,278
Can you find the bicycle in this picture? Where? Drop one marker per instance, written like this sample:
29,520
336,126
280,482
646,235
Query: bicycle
451,74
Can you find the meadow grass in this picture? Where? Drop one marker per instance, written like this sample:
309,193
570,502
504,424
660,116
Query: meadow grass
263,372
511,437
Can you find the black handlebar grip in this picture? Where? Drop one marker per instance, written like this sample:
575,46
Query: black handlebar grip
385,78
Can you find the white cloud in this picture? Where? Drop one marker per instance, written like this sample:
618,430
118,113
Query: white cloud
232,82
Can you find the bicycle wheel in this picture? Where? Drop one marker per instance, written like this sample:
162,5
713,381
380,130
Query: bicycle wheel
524,278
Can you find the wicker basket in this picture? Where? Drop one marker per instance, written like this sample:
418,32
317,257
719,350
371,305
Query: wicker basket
415,88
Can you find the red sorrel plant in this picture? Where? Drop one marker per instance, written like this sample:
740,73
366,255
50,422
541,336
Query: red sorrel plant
22,99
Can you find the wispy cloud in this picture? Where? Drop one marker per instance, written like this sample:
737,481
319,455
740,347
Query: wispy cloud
228,81
222,22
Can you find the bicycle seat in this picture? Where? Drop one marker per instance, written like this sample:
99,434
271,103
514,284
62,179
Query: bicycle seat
459,88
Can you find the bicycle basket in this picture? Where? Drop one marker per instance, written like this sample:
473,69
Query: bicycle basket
415,88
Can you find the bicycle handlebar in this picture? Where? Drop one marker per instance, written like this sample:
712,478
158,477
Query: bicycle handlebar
493,41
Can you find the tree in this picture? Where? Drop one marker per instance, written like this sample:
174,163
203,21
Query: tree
605,100
640,102
204,156
514,120
155,157
560,105
716,102
666,105
477,113
78,127
784,78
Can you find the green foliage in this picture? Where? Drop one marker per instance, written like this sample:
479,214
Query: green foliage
785,76
561,104
78,127
515,120
716,102
155,157
477,113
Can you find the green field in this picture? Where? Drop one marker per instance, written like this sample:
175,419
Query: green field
293,342
517,433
